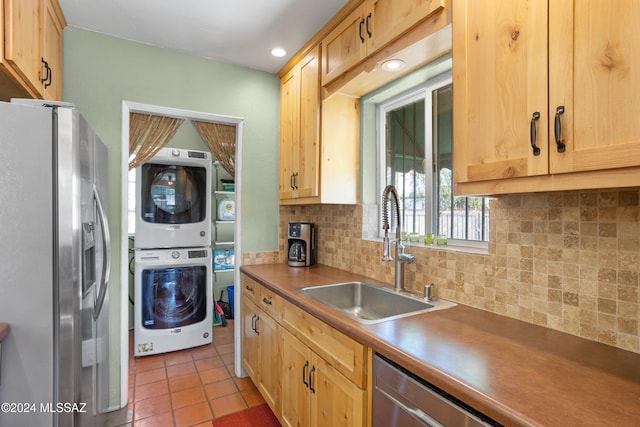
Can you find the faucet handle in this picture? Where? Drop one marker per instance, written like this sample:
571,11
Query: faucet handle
408,258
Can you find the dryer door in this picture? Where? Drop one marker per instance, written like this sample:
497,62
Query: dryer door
173,194
173,297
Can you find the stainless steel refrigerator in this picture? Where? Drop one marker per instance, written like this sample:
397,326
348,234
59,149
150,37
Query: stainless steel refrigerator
54,267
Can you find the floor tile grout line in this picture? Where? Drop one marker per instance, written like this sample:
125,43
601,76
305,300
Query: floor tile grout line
229,372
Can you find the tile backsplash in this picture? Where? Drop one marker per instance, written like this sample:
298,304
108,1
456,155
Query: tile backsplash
568,260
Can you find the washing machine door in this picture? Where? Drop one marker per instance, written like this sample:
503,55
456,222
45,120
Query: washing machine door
173,297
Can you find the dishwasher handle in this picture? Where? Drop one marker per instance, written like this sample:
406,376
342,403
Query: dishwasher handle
417,413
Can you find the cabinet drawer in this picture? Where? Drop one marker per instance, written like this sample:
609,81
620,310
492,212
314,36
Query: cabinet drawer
250,288
269,302
343,353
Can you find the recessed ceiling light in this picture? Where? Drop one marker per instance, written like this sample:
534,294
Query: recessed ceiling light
278,51
393,65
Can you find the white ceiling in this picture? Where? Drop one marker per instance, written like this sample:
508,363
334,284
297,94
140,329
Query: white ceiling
241,32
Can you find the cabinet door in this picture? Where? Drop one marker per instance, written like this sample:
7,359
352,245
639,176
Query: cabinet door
250,340
593,72
296,364
387,20
300,129
500,81
309,150
52,51
261,352
335,401
269,375
345,46
289,132
22,38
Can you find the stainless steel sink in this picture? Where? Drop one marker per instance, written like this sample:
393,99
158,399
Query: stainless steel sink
368,303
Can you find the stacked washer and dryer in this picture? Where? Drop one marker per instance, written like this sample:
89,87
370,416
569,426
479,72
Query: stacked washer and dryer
173,265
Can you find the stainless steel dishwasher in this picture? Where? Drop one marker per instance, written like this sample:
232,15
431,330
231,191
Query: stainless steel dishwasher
401,399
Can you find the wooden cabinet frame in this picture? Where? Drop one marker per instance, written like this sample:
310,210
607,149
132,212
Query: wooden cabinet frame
300,129
566,63
308,372
373,25
31,52
261,354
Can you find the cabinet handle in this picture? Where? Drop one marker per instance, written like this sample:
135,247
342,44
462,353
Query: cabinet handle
367,26
249,288
360,31
304,373
295,181
47,74
313,369
558,129
267,301
254,323
46,67
291,182
49,77
534,118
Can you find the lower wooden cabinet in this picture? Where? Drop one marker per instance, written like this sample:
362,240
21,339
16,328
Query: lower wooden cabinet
314,393
309,373
261,352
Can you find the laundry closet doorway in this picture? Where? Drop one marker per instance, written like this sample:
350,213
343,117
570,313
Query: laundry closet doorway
138,145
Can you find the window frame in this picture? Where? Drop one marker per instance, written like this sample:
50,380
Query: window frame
423,91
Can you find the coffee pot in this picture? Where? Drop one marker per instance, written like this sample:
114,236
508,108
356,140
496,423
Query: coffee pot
297,251
301,239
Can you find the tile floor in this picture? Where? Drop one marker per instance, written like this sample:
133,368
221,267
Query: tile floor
186,388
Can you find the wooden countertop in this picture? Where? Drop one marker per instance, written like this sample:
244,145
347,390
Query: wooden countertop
514,372
4,330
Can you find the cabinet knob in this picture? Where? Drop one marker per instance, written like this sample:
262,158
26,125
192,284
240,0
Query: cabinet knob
534,119
558,129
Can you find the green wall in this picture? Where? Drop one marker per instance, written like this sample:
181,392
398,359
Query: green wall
101,71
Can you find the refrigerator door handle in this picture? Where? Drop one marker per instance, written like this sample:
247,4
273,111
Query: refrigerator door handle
106,265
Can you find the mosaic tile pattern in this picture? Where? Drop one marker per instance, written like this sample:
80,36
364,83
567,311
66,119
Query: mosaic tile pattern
569,261
256,258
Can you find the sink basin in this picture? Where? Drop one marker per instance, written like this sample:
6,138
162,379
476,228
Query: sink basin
368,303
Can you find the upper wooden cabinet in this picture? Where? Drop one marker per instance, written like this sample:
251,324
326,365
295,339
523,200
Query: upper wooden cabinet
52,25
544,96
345,46
22,38
300,129
31,60
318,147
370,27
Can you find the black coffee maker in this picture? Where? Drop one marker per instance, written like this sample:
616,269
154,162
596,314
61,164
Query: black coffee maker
302,244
